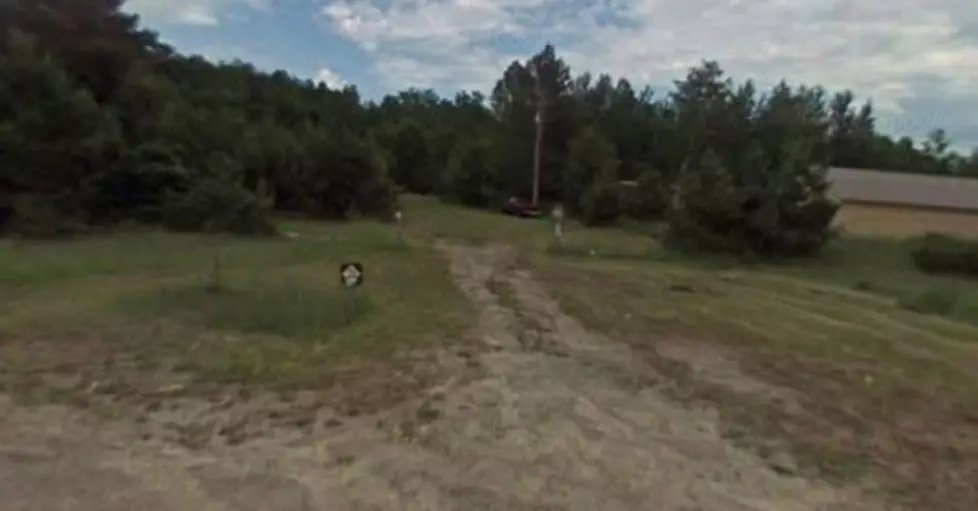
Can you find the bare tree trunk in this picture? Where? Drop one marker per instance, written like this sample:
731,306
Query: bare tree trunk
536,154
541,107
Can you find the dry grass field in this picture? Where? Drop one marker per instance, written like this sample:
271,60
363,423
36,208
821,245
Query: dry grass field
904,222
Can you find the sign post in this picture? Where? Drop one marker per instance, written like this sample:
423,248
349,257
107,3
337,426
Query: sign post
351,275
559,224
398,217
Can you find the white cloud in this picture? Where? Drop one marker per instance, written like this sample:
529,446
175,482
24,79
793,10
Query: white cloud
876,47
328,77
428,42
451,22
899,52
189,12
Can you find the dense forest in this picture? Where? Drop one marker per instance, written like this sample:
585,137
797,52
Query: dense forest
101,123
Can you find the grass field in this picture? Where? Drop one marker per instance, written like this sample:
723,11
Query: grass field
219,309
880,356
902,222
882,389
880,359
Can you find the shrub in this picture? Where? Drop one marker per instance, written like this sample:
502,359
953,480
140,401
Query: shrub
29,216
215,205
704,213
377,198
942,253
785,212
137,187
591,157
649,199
600,202
376,195
472,173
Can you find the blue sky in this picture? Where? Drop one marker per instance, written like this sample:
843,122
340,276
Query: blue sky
918,61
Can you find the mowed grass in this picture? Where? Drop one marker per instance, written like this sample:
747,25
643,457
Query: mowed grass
883,266
886,392
221,309
429,218
883,390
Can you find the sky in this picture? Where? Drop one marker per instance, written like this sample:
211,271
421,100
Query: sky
917,61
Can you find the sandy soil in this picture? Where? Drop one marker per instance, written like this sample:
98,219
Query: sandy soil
547,416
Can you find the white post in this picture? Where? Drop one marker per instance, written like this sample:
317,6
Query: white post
400,225
351,275
559,224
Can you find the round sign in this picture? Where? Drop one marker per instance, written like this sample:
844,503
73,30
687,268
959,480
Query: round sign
351,274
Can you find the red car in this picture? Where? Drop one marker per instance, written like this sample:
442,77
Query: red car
521,208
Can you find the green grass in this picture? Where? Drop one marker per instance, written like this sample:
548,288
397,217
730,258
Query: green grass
880,266
873,376
881,355
286,309
884,267
942,301
226,309
429,218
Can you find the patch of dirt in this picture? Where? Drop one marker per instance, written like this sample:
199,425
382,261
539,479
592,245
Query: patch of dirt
558,418
711,364
122,379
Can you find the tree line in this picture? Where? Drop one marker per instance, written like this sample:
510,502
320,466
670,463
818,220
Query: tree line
101,123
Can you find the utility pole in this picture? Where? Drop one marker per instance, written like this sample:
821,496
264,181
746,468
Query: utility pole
539,138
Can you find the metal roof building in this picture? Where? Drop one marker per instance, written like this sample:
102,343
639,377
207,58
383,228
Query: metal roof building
903,189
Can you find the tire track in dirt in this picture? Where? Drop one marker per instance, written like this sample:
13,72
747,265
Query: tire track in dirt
578,424
560,418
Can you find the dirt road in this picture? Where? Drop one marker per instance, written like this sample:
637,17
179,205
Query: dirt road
555,418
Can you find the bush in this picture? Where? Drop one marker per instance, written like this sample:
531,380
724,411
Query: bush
591,157
472,173
136,188
705,212
600,202
649,199
376,194
30,216
214,205
941,253
377,198
786,213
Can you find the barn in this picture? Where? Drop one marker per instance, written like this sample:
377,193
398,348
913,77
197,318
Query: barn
901,204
